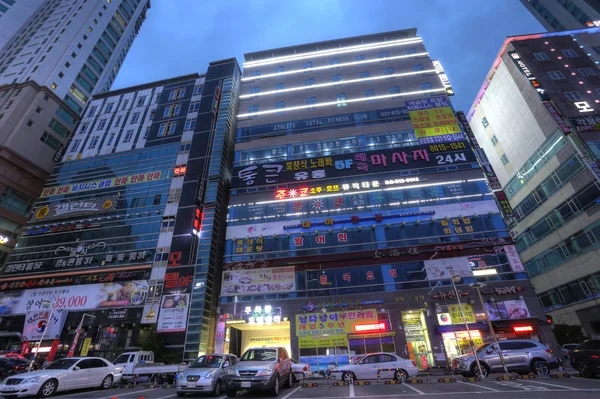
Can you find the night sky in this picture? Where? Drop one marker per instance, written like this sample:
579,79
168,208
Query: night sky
183,36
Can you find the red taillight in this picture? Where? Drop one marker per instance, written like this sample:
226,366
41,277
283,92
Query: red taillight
595,357
549,350
414,363
306,368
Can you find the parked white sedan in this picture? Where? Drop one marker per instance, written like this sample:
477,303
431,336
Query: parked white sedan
390,364
62,375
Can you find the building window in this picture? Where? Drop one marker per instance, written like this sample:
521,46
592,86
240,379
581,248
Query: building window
128,136
369,93
569,53
254,90
176,94
395,90
279,86
279,69
494,140
172,111
256,73
383,54
426,86
341,99
586,72
167,129
125,103
147,132
190,124
411,51
198,90
141,101
359,57
309,82
556,75
573,95
418,67
337,78
334,61
109,108
75,145
252,109
135,117
280,105
388,71
101,124
118,121
30,123
504,159
111,138
53,85
311,100
541,56
365,74
484,122
94,142
16,202
307,65
61,75
194,106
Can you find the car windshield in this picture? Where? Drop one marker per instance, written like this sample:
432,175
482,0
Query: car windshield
62,364
122,359
259,355
213,362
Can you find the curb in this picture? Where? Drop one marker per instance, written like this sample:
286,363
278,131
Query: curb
471,379
340,384
413,381
560,376
505,378
362,383
446,380
310,385
391,382
527,377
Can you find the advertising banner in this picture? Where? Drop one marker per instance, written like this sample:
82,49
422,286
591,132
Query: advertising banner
504,204
118,181
265,281
512,254
73,208
456,314
341,322
85,348
344,165
39,321
173,313
434,122
79,297
507,310
319,341
220,337
268,340
440,269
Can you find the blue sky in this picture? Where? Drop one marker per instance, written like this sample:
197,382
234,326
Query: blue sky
183,36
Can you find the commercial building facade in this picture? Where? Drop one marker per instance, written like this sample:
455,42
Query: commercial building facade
355,196
53,55
559,15
127,228
535,117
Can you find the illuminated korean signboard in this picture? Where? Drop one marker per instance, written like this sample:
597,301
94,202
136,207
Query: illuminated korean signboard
528,74
434,122
370,327
344,165
443,77
73,208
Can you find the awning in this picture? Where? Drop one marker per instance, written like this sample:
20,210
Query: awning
461,327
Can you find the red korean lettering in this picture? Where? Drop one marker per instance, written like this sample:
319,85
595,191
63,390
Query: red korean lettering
378,159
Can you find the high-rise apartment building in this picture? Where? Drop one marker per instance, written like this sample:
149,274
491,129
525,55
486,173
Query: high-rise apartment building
129,228
536,117
55,53
355,198
558,15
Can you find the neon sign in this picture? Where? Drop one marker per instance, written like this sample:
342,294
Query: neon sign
370,327
523,329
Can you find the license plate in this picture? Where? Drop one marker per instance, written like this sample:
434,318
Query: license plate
246,384
191,385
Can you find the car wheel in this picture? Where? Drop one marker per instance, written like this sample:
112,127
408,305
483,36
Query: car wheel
231,393
541,366
584,371
401,376
348,377
107,382
48,389
275,387
181,394
288,382
480,374
217,390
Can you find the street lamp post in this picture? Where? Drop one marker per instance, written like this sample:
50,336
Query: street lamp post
77,333
478,287
458,278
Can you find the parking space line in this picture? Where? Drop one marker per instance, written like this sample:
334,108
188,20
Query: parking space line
414,389
130,393
478,386
288,395
552,385
351,389
165,397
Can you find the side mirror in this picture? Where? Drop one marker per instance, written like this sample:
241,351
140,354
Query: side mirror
489,350
226,364
76,368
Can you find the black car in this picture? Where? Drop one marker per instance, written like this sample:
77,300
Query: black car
10,366
586,358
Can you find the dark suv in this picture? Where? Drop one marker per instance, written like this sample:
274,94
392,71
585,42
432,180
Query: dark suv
261,369
586,358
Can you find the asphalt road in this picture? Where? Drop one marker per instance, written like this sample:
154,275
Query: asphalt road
540,388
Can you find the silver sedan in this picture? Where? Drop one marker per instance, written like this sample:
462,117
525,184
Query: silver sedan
205,374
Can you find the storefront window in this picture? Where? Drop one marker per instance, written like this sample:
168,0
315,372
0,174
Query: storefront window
417,338
457,343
